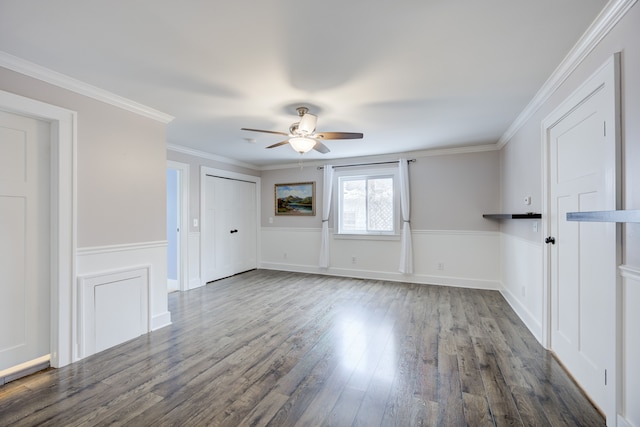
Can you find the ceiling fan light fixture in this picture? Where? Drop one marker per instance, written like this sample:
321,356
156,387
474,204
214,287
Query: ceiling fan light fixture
307,124
302,145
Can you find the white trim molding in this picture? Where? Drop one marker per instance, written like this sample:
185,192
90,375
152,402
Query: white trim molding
63,216
627,330
209,156
183,203
388,157
612,13
94,327
39,72
97,250
194,260
460,258
629,272
221,173
100,260
522,280
605,80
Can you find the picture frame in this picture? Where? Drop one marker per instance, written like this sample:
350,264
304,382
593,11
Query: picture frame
295,199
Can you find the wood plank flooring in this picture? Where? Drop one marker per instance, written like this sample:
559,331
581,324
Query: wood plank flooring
269,348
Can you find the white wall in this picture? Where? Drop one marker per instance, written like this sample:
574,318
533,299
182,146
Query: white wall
118,195
469,258
449,194
196,160
521,172
449,191
121,164
630,319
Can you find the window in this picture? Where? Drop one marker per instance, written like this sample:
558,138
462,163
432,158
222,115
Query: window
367,203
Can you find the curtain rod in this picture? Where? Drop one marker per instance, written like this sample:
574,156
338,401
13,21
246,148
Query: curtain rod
367,164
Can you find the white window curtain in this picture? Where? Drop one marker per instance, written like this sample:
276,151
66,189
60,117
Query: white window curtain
406,247
327,188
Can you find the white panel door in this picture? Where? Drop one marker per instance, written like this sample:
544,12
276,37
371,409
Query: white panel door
583,258
217,235
244,220
230,238
24,239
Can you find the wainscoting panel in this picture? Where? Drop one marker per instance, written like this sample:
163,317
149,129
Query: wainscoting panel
442,257
96,268
193,257
630,319
522,281
113,309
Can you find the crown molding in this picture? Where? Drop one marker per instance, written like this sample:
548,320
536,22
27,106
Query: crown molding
601,26
39,72
454,150
388,157
204,155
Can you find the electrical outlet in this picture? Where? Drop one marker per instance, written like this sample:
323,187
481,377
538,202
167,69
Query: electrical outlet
284,255
353,260
440,266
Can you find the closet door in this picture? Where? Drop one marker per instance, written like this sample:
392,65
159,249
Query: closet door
243,221
230,239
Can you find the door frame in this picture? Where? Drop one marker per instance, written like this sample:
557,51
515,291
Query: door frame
183,202
607,77
63,174
206,170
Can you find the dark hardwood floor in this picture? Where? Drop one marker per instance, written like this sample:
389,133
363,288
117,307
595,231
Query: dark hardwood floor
284,349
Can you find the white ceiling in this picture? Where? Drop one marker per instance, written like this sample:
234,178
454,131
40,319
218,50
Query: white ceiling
410,74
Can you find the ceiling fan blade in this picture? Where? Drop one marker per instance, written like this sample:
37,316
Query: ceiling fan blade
307,124
265,131
338,135
320,147
278,144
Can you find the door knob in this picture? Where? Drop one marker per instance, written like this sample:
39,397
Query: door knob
233,231
551,240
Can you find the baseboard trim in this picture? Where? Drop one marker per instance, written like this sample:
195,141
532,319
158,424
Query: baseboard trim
527,318
622,422
195,283
459,282
161,320
24,369
629,272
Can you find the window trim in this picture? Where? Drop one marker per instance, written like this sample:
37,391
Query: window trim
390,171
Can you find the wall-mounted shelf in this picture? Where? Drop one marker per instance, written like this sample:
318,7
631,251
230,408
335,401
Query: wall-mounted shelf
605,216
528,215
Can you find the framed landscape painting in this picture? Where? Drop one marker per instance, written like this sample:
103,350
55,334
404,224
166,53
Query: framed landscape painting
296,199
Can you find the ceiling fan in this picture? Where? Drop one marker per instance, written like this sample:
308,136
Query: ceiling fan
303,137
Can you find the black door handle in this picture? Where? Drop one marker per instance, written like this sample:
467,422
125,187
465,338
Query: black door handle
551,240
233,231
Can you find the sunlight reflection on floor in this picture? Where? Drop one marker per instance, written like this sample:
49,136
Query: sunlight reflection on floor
367,348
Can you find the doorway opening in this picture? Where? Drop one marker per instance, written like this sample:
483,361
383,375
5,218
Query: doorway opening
62,219
581,173
177,225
